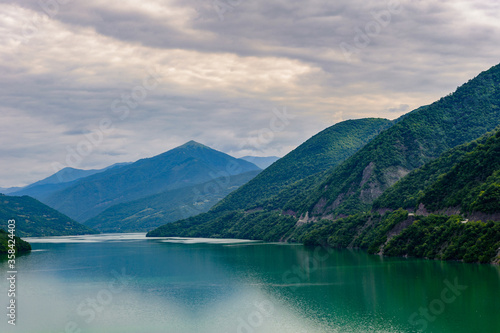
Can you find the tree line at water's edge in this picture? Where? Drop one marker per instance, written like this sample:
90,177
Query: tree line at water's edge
20,245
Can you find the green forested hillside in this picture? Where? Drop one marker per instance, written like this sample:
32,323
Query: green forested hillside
448,238
416,139
462,180
472,184
259,225
153,211
34,219
456,164
21,246
304,166
408,192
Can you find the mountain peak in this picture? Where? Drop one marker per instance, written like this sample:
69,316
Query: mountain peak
193,144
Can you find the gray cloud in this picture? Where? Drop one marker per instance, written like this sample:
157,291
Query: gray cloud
219,80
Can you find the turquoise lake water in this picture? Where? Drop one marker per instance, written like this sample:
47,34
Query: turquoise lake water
127,283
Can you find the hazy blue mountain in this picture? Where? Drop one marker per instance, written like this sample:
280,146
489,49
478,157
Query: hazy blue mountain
62,179
261,162
153,211
8,190
187,165
34,219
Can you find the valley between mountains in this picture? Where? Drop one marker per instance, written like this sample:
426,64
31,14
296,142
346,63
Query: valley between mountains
424,185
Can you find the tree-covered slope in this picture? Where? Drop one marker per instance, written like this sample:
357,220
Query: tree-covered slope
318,154
258,225
464,180
472,184
153,211
20,246
34,219
416,139
456,170
187,165
407,193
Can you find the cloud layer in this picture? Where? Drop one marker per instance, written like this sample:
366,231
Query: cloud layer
115,81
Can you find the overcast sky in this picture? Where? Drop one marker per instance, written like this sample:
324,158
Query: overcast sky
90,83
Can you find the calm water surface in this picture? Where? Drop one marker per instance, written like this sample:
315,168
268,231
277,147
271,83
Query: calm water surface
127,283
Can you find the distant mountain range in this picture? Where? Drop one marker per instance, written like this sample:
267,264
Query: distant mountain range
7,190
317,155
62,179
281,204
187,165
132,197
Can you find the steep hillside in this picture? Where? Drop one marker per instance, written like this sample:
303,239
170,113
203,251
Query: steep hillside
417,138
34,219
305,164
278,186
463,180
187,165
153,211
407,193
472,185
